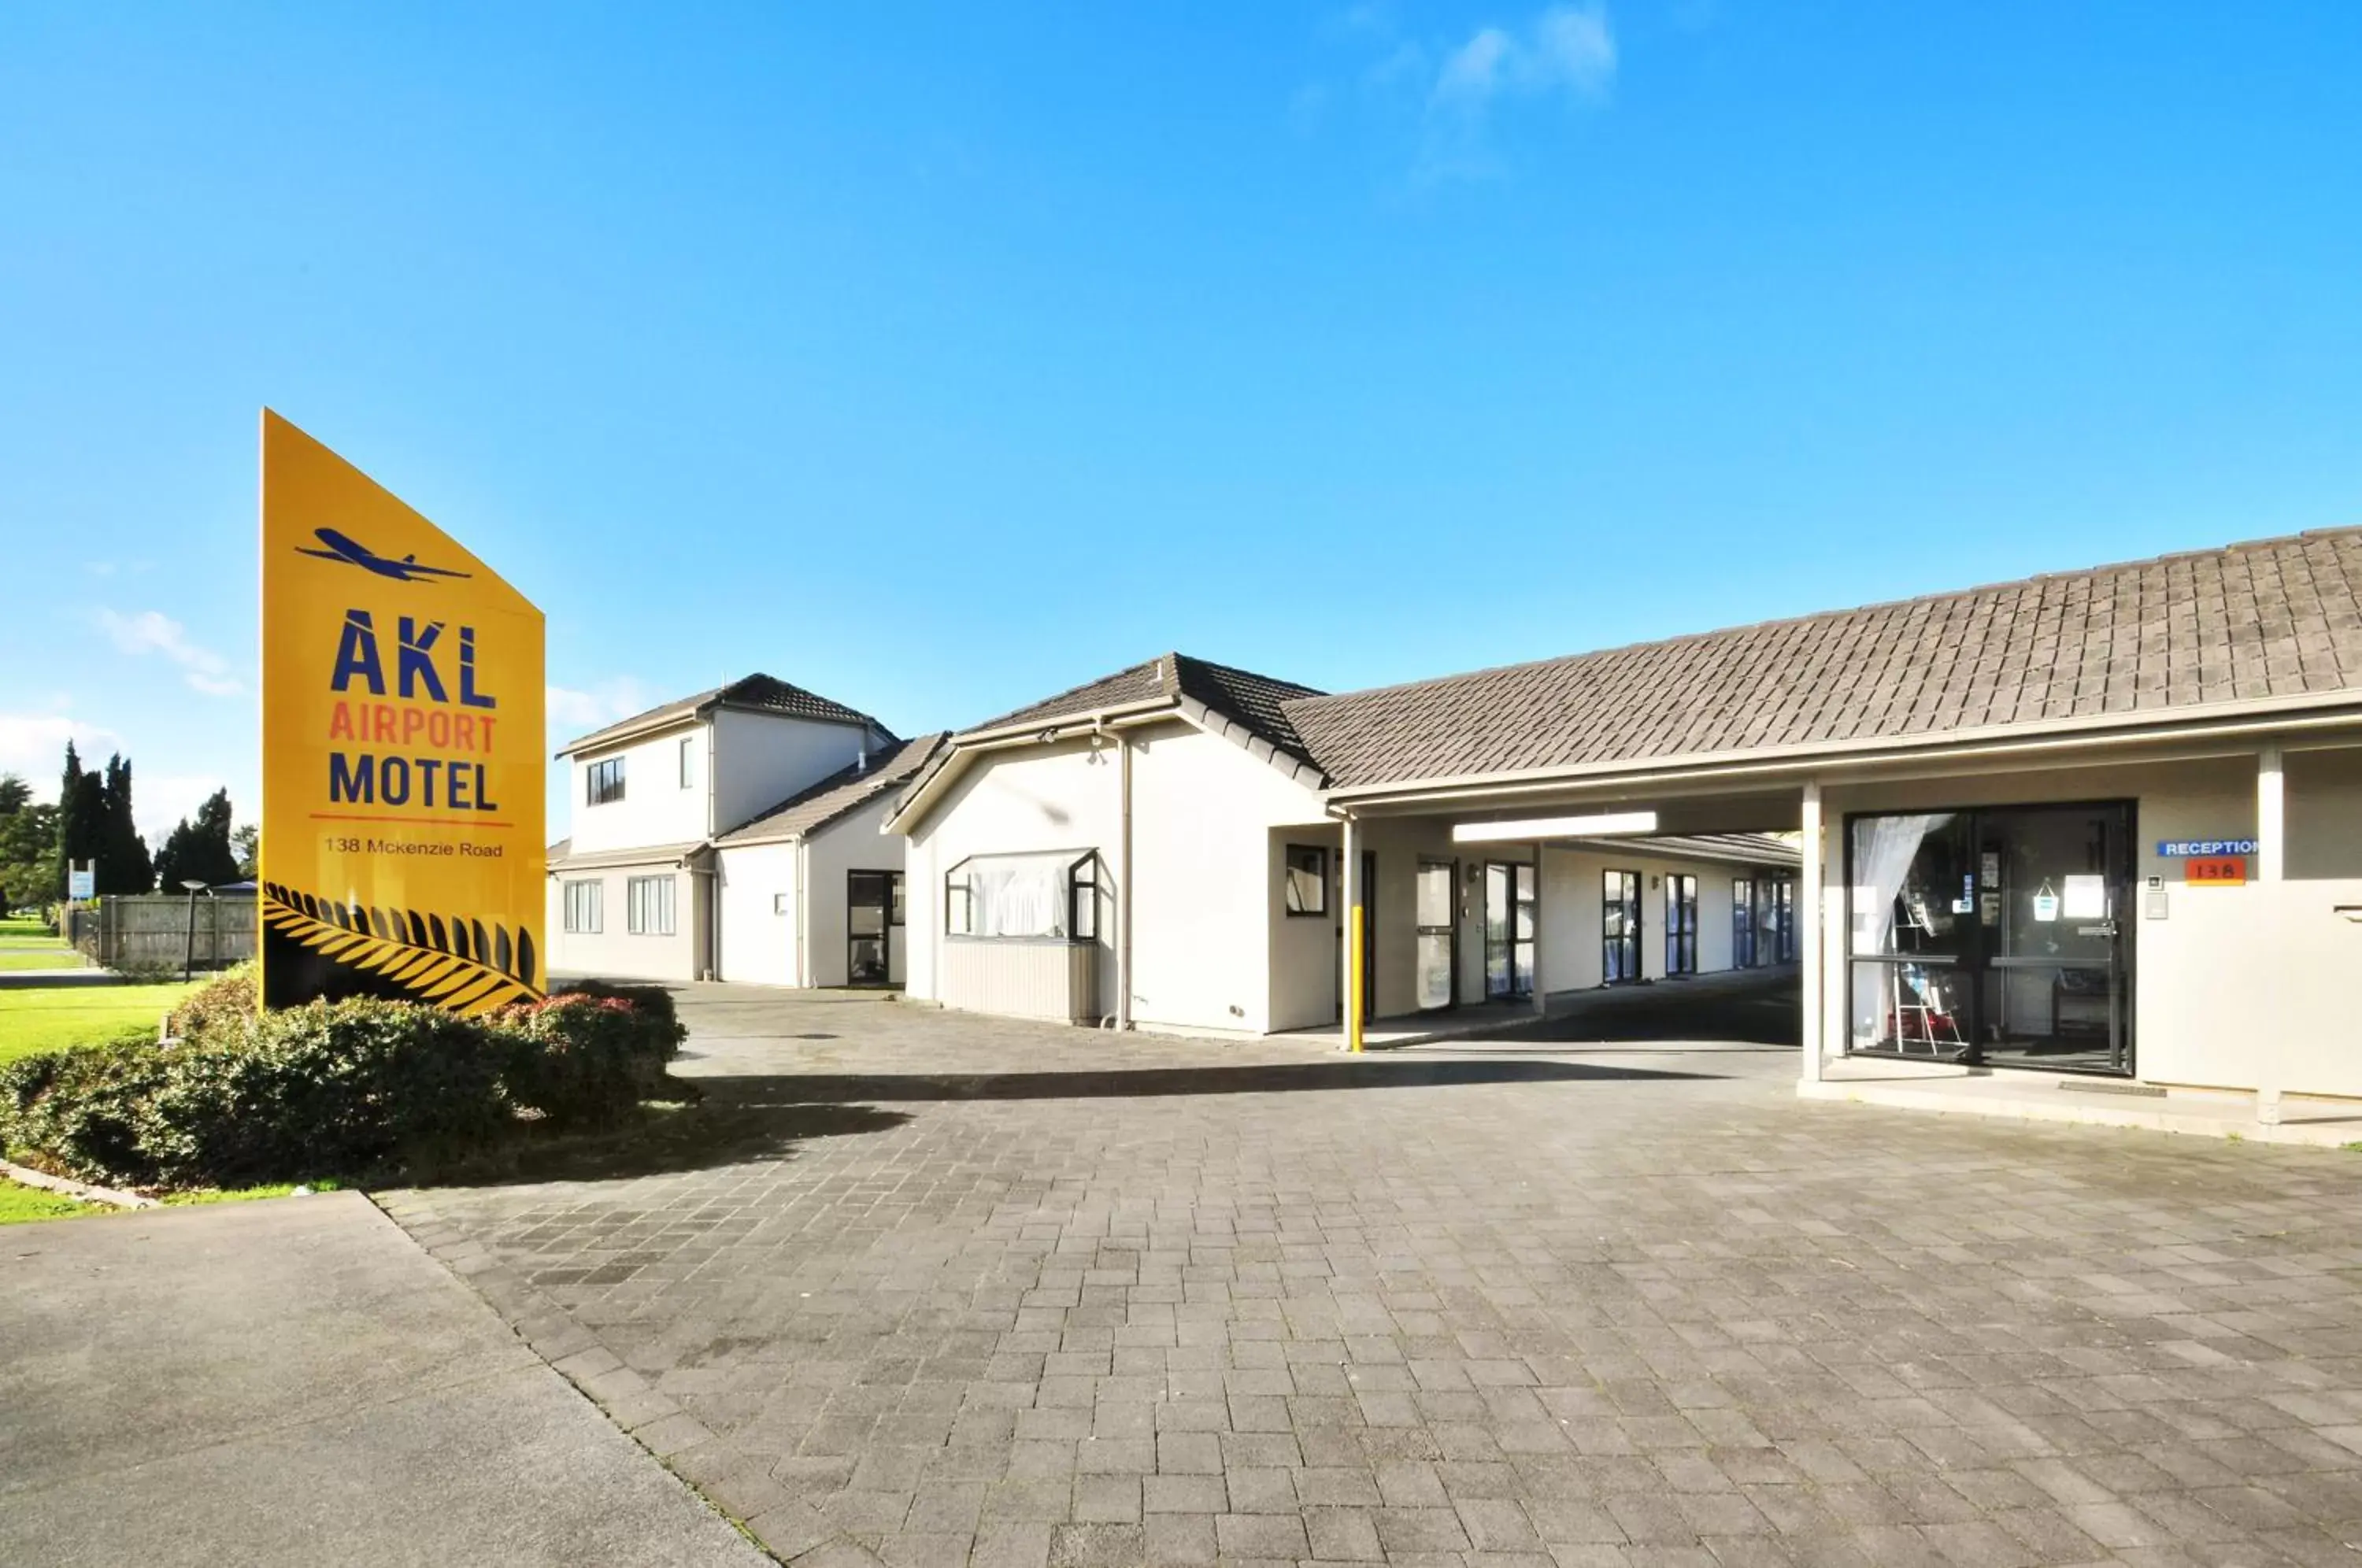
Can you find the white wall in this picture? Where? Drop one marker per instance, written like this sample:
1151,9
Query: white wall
760,760
1061,797
757,888
1206,886
613,951
850,844
654,808
1202,813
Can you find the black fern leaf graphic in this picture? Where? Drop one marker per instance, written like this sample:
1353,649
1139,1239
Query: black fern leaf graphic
474,971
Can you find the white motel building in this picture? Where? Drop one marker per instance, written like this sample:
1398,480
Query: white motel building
2102,822
733,834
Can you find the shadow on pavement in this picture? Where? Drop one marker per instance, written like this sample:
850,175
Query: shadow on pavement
1287,1078
726,1129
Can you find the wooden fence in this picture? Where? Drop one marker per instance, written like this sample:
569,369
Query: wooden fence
160,932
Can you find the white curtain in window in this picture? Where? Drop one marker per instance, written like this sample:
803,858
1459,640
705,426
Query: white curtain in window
1884,848
1019,898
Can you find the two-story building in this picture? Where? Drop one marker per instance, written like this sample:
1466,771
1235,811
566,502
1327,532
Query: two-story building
731,836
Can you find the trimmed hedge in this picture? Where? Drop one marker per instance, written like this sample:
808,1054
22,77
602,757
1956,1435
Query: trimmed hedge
352,1088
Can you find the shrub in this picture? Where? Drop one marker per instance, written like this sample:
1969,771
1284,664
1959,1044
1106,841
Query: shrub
653,1003
586,1060
225,1002
352,1088
355,1088
81,1111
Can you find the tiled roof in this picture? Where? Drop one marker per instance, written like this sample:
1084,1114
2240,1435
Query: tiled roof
754,693
1254,702
2271,619
810,810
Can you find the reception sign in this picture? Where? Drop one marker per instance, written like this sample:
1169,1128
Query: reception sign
402,750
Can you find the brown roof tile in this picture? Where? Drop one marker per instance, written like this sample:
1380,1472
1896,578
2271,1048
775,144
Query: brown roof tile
2275,618
756,693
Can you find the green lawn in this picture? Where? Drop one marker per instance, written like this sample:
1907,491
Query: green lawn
24,945
54,1016
53,957
19,1203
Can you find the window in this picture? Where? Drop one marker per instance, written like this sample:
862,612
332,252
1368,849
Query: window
1681,923
606,781
647,904
584,915
1742,922
894,915
1620,929
1308,879
688,761
1053,895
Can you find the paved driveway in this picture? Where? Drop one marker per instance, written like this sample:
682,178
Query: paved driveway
947,1290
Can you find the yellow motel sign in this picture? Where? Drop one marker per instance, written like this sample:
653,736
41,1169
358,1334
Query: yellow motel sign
402,750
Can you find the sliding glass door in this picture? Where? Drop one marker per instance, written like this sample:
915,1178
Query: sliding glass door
1993,936
1619,928
1680,924
1508,930
1742,922
1439,947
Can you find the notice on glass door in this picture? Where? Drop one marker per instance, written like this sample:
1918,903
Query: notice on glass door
2086,898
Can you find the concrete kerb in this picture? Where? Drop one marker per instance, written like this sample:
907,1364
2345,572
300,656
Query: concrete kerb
788,1529
25,1176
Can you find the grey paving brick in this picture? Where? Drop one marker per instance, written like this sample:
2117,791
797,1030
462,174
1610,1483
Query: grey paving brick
886,1316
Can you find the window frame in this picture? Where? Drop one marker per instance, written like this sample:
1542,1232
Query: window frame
687,773
1082,894
637,911
596,889
604,782
1319,853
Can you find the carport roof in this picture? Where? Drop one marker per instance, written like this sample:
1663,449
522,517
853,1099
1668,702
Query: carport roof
2273,619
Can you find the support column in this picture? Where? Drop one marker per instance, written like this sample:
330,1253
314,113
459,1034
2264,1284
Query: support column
1542,987
1349,971
2271,866
2271,817
1811,951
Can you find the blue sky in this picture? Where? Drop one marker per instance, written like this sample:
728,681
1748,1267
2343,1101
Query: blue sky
937,359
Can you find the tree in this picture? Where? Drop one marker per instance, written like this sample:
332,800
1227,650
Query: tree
15,794
29,851
123,863
199,851
81,820
246,844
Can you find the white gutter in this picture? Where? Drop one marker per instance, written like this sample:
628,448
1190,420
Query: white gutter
1872,756
1124,886
1010,736
803,913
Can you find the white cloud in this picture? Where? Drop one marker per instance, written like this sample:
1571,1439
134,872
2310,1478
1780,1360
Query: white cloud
574,710
152,630
1568,48
1567,52
33,745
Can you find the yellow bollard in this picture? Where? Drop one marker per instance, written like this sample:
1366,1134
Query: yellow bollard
1356,957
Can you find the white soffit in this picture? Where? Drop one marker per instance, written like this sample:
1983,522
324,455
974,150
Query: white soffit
1593,826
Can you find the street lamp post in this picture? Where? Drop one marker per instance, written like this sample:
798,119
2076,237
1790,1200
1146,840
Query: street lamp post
189,950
